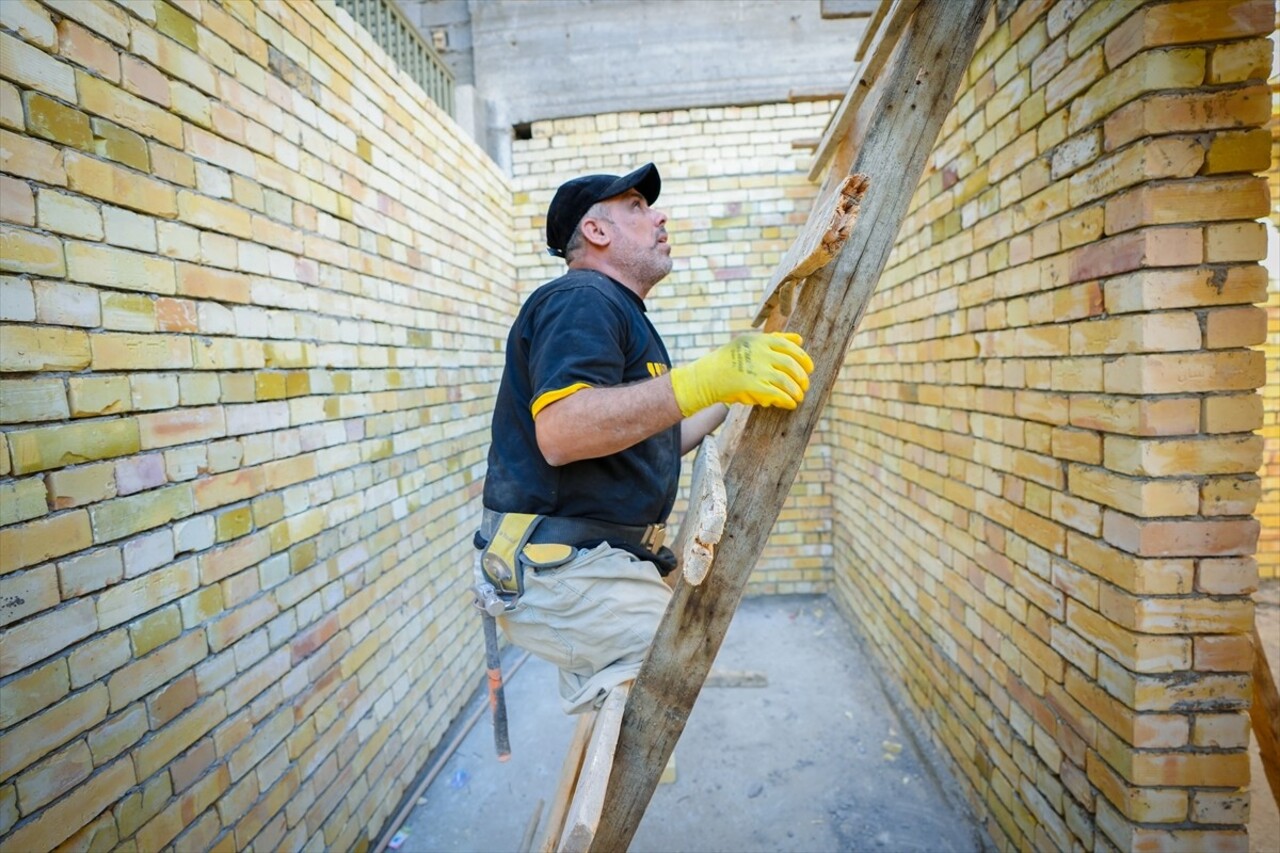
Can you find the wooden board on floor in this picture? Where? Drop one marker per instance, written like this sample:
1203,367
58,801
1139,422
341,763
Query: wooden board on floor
1265,714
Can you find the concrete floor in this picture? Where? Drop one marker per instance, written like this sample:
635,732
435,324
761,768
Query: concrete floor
817,760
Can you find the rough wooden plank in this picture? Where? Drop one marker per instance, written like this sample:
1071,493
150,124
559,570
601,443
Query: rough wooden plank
830,220
1265,714
920,85
584,812
873,27
569,772
705,524
737,678
864,81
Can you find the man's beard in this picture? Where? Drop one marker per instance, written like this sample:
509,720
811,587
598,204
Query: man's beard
646,265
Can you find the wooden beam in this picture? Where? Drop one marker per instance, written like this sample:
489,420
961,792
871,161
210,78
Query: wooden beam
864,81
569,772
920,86
704,524
584,813
831,218
1265,714
873,27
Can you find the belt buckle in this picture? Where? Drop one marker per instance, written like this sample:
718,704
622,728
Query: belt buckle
654,536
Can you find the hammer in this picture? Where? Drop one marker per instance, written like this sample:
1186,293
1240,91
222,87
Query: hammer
490,606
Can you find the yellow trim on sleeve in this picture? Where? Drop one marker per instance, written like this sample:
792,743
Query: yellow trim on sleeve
552,396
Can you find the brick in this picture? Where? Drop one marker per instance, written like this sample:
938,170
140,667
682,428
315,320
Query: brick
68,214
1206,769
208,283
1230,496
117,143
54,776
141,78
1234,413
10,109
24,251
32,68
1145,805
1228,576
30,21
195,801
17,202
177,315
179,735
1226,653
1186,538
1239,61
1228,242
1183,112
37,348
1185,373
1180,615
125,601
224,562
1188,22
149,551
128,312
1221,731
140,806
154,630
119,106
146,674
122,517
61,304
27,400
86,573
1168,332
86,49
1154,290
239,622
43,539
1187,201
92,660
129,230
1146,72
1144,498
23,594
120,268
1179,457
220,216
57,122
28,742
120,186
170,701
32,692
123,351
17,300
1165,157
81,485
25,157
62,819
1239,151
151,391
1074,78
68,444
1138,652
180,426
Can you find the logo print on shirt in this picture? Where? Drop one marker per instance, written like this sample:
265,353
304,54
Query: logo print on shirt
656,368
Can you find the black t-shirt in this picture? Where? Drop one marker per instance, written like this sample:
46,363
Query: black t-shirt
581,330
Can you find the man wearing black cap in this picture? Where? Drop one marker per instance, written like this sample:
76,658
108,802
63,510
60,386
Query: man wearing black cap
589,426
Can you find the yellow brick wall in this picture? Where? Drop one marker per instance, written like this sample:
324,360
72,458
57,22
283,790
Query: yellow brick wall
734,187
1045,445
1269,505
252,286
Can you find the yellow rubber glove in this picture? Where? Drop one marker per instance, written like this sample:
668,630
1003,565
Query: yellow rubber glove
759,369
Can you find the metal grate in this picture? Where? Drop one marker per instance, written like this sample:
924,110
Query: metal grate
402,42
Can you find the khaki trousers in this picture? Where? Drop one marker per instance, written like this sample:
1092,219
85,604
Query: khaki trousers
594,618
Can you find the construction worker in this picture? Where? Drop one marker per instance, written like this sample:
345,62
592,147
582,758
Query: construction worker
589,426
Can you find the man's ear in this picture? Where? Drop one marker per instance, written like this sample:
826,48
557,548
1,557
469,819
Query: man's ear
593,233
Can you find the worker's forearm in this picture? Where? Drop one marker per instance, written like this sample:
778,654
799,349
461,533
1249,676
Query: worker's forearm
696,427
597,422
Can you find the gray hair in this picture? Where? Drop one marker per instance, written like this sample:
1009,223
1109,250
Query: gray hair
576,241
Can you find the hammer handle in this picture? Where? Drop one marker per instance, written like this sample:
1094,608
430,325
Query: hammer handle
497,698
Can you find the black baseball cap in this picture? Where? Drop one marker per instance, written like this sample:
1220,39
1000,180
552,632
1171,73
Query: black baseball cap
575,197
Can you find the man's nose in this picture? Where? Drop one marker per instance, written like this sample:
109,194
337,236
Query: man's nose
661,216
